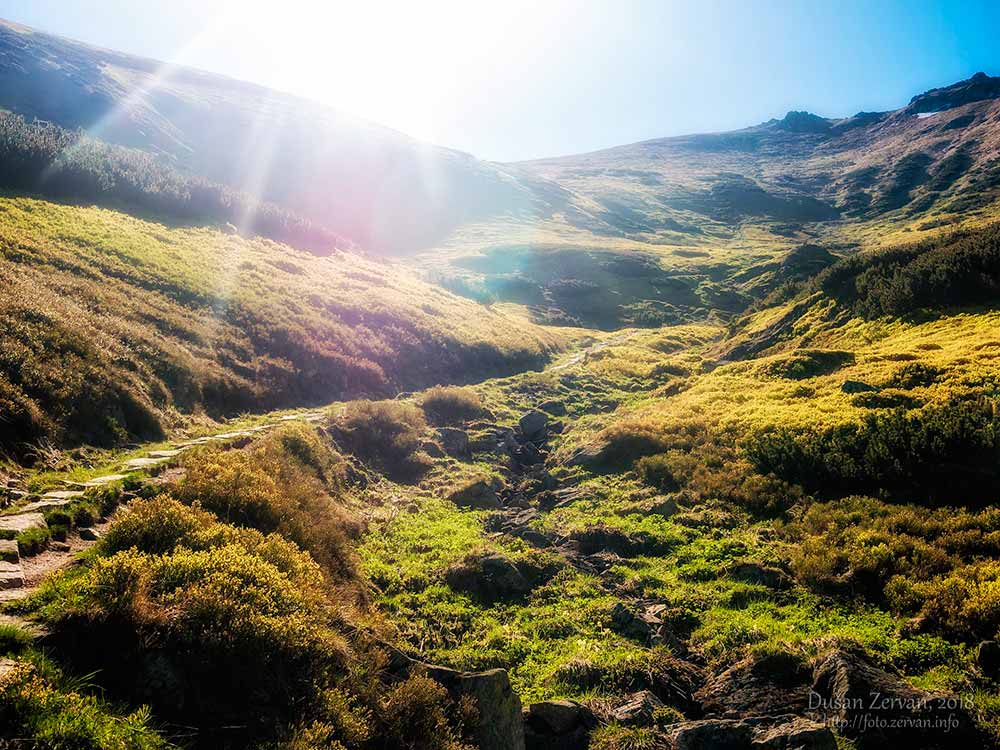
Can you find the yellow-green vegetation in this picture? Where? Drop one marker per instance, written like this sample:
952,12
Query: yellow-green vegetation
116,328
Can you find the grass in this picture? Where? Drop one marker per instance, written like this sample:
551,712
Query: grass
158,323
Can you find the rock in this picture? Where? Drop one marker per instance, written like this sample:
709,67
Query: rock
9,552
762,575
988,658
11,576
602,538
432,449
533,425
59,546
588,456
500,725
166,453
554,407
489,578
480,494
637,625
639,709
136,464
878,709
89,535
22,522
795,734
768,684
107,479
557,725
526,454
856,386
709,734
454,441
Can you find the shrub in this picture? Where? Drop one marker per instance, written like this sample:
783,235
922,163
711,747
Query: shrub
809,363
289,483
33,541
414,716
386,434
943,452
35,712
656,471
451,404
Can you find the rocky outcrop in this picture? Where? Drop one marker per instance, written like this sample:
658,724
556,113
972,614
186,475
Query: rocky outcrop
758,685
763,733
711,734
638,709
533,425
454,441
878,709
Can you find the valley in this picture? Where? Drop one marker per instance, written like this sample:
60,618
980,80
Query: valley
688,443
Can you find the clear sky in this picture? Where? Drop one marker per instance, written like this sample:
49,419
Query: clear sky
521,79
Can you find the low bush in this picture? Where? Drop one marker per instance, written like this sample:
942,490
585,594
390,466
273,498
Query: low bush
809,363
386,434
288,482
33,541
657,471
35,712
446,405
944,452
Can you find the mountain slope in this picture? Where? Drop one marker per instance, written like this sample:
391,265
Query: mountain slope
115,328
380,188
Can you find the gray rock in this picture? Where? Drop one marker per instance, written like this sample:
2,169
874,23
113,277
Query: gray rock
638,709
89,535
500,725
554,407
22,522
533,424
432,449
11,576
490,578
708,734
454,441
558,725
795,734
9,552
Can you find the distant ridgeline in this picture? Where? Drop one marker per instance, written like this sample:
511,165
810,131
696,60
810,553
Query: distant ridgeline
49,160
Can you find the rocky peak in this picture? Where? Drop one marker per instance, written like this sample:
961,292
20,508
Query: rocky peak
978,88
803,122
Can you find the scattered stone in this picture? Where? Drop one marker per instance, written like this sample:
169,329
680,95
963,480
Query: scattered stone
988,658
136,464
108,479
11,575
879,709
9,552
768,684
62,495
639,626
857,386
533,425
89,535
489,578
794,734
639,709
709,734
454,441
500,726
22,522
59,546
480,494
588,456
557,725
166,453
432,449
554,407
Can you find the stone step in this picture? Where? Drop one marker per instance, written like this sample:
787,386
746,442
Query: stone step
144,463
11,573
20,522
107,479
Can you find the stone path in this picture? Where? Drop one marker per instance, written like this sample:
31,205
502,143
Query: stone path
19,576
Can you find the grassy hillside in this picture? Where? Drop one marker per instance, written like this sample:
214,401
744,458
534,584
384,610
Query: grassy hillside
115,327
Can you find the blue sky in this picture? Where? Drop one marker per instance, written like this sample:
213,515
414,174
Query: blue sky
519,80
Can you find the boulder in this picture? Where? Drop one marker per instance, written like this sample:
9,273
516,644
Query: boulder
638,625
89,535
21,522
765,684
878,709
9,552
554,407
479,494
795,734
558,725
533,425
638,709
489,577
988,658
11,575
500,725
454,441
709,734
432,449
